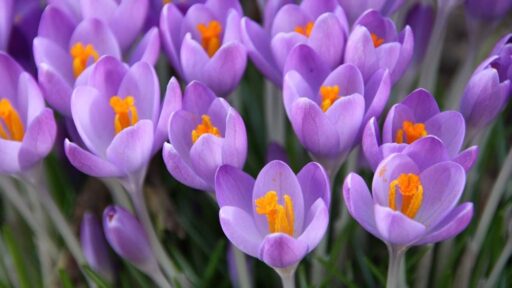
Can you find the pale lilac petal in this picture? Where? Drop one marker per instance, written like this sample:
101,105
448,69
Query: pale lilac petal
431,146
172,103
225,69
280,250
346,116
389,170
10,152
359,202
294,87
361,52
233,187
377,93
468,158
38,140
198,98
148,49
288,18
181,125
449,126
56,89
56,26
206,157
315,8
315,225
107,75
370,143
96,32
193,59
232,28
282,44
89,163
308,64
180,170
315,185
170,27
394,121
48,53
328,40
406,53
240,229
234,150
348,78
396,228
422,104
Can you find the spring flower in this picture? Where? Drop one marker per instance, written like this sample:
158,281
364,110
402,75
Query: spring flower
417,116
279,217
420,18
65,47
374,43
354,8
488,10
412,202
155,9
489,89
95,247
127,237
313,22
204,135
118,116
204,44
327,109
27,127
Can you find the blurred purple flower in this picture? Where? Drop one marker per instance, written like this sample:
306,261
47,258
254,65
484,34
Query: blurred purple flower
204,44
421,20
412,201
155,9
95,247
128,238
488,10
66,47
276,152
415,117
327,109
27,127
320,24
374,44
117,113
204,135
279,217
354,8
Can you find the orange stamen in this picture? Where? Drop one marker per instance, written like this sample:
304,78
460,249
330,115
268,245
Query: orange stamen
411,190
413,131
205,127
280,218
126,112
329,95
377,41
11,126
210,36
306,29
81,55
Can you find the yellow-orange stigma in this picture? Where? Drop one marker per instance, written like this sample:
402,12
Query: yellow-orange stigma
413,131
81,54
126,112
329,95
166,1
280,218
11,126
210,36
411,190
205,127
377,41
305,30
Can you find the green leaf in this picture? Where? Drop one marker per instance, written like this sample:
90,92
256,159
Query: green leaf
17,257
95,277
215,258
65,280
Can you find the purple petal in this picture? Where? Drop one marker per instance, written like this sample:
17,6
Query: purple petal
346,116
170,25
130,150
281,46
172,103
10,153
198,98
389,57
315,185
308,64
449,126
359,202
206,157
233,187
6,20
288,18
315,8
234,150
239,227
396,228
49,53
426,152
422,104
394,121
89,163
221,8
468,157
315,225
280,250
56,89
370,143
107,75
232,31
180,131
348,78
294,87
328,39
406,53
361,52
270,11
38,140
225,69
56,26
96,32
180,170
148,48
376,94
193,59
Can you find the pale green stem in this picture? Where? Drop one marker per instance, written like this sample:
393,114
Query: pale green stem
396,258
274,113
19,203
472,251
242,269
423,269
118,193
287,276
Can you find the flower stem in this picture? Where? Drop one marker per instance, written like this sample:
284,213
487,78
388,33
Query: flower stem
287,276
500,264
274,113
396,257
241,268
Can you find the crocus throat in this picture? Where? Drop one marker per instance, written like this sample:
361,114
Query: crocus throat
329,95
377,41
305,30
81,55
166,1
210,36
11,126
126,112
205,127
280,218
413,131
411,190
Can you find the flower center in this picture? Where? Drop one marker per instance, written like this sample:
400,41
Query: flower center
305,30
126,112
411,190
280,218
11,127
210,36
377,41
205,127
329,95
81,55
413,131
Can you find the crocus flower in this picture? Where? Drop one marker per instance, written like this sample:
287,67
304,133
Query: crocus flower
118,116
276,152
354,8
412,201
27,127
95,247
417,116
65,47
420,18
374,43
204,44
204,135
488,10
488,90
155,9
327,109
128,238
320,24
279,217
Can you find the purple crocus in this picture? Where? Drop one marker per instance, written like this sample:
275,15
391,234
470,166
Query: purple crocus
320,24
489,88
327,109
204,44
354,8
413,202
95,247
204,135
279,217
417,116
420,18
27,127
155,9
488,10
374,44
66,47
117,113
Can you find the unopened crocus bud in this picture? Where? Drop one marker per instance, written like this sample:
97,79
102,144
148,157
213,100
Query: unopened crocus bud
128,238
421,20
95,247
